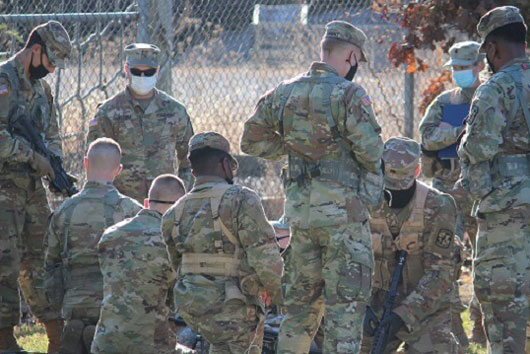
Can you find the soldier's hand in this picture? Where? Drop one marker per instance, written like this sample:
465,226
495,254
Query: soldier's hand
41,165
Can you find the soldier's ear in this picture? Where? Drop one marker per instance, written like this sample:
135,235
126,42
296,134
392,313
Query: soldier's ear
146,203
418,171
86,163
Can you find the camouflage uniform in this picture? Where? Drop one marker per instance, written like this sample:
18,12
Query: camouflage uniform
446,172
71,261
24,209
153,133
320,120
495,170
134,261
221,242
425,229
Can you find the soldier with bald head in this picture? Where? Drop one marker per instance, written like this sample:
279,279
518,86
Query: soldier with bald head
73,279
137,274
151,127
420,220
24,208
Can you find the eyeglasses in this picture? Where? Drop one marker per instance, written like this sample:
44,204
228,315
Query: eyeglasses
146,72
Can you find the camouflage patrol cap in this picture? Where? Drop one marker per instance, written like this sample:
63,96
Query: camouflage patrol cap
56,41
142,54
401,157
465,53
498,17
346,32
212,140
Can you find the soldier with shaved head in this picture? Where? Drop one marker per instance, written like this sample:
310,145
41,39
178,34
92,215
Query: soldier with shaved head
137,275
73,279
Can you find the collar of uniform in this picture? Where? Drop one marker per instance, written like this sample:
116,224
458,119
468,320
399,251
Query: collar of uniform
25,83
150,213
519,60
153,101
203,180
319,68
468,92
97,183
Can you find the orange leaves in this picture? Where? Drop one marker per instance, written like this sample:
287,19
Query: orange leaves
436,87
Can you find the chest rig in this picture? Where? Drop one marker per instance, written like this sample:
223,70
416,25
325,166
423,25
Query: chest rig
410,238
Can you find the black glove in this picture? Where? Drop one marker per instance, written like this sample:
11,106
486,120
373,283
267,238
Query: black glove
394,323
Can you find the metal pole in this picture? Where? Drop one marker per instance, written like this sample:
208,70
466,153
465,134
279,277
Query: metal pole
409,105
142,33
73,17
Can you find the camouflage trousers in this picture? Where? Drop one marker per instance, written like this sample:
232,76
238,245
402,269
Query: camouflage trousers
24,215
234,327
322,273
78,331
433,335
501,277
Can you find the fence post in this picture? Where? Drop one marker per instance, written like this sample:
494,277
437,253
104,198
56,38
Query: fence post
409,105
142,33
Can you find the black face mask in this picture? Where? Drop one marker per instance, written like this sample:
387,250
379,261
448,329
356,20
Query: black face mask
229,180
351,73
37,72
398,199
490,65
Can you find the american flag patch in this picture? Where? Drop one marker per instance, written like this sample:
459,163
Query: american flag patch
93,122
365,100
4,90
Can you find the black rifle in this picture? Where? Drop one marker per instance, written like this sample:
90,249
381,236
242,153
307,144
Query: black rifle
62,182
372,325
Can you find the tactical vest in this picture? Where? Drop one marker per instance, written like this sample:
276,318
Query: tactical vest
75,275
513,165
244,280
410,239
312,161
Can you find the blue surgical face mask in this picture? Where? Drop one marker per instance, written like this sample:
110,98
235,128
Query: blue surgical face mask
464,78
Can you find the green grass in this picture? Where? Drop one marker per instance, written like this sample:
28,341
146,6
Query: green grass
468,326
32,337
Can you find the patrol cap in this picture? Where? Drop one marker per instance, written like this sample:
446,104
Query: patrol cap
498,17
465,53
142,54
56,41
346,32
401,157
212,140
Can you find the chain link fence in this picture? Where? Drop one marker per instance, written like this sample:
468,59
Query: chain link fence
219,57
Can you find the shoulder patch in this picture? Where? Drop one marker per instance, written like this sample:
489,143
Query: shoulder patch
444,238
4,89
365,100
93,122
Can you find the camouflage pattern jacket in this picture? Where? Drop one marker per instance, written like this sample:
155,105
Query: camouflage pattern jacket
152,138
244,245
137,274
434,138
320,120
71,244
33,97
495,149
425,229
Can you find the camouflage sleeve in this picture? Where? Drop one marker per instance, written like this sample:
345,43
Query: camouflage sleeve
362,129
168,225
487,119
261,135
11,149
53,247
100,126
181,147
130,207
258,240
435,285
433,136
52,135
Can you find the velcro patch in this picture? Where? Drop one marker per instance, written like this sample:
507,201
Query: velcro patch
93,122
444,239
365,100
4,90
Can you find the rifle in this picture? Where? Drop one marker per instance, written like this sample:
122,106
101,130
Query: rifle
62,182
371,323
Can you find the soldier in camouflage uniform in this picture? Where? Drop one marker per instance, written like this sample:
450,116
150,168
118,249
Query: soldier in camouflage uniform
494,154
73,278
325,124
421,221
225,251
24,209
134,261
466,63
151,127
